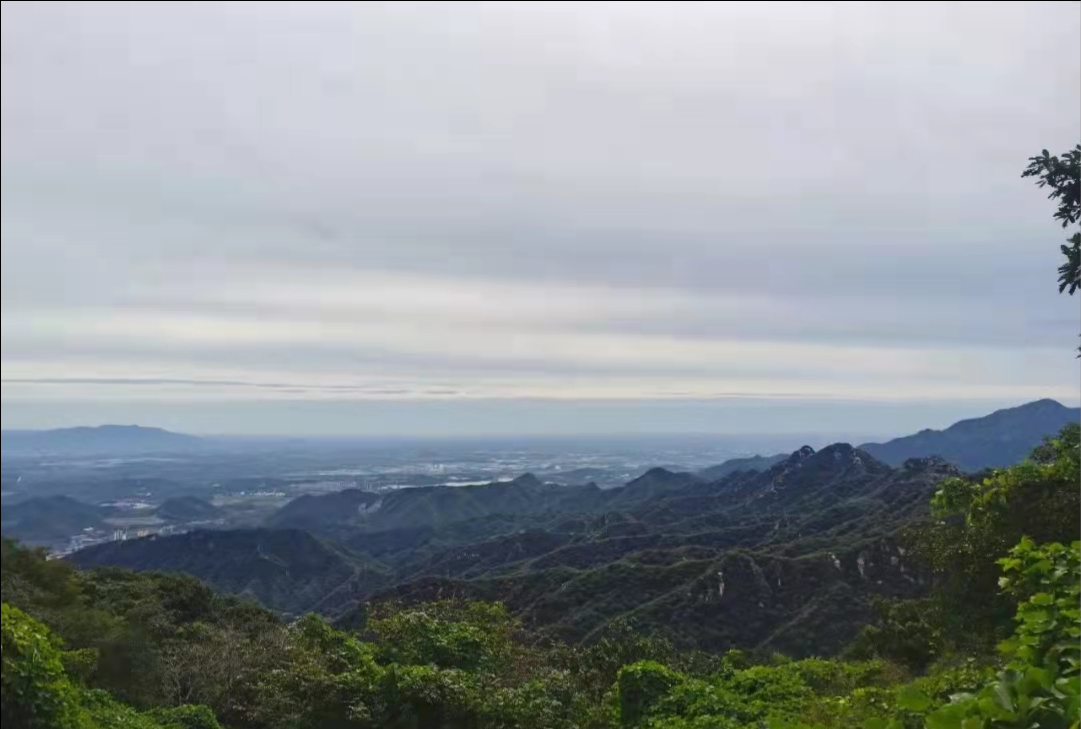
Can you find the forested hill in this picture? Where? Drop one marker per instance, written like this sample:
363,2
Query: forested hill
49,518
790,558
284,569
993,441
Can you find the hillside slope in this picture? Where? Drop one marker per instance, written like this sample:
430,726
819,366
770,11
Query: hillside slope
49,520
286,570
751,463
432,506
801,547
186,508
788,558
1000,439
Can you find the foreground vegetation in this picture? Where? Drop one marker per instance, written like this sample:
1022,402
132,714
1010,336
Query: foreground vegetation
116,649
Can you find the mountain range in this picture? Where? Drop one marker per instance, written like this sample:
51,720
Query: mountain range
997,440
786,552
764,558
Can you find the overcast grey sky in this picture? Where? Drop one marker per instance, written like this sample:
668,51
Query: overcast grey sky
457,217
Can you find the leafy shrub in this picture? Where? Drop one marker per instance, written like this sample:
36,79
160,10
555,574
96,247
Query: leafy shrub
37,694
1040,685
641,685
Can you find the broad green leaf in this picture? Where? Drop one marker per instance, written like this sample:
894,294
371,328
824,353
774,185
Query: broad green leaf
913,699
1003,697
949,716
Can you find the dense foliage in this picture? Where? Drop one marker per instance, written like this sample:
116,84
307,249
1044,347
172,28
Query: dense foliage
39,690
1062,175
115,649
979,520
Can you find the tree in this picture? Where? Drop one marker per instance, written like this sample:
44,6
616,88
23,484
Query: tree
640,686
36,692
1040,685
1063,176
445,634
979,520
39,693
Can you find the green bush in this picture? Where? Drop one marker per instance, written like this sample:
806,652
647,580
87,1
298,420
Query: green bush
36,693
641,686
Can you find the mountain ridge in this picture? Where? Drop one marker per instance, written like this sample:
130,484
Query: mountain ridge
1001,438
569,560
287,570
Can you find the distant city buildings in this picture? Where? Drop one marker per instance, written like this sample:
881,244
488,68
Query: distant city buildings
90,536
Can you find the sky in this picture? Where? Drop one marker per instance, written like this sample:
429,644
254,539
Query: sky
460,218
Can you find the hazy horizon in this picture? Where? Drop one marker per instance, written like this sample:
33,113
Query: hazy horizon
533,218
851,422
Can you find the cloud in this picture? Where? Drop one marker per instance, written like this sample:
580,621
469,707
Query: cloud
534,201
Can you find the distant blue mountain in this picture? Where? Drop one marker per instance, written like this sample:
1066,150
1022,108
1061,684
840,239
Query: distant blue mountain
100,440
1000,439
